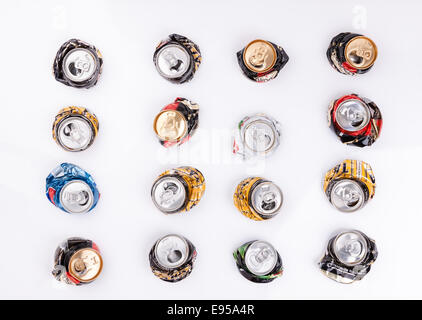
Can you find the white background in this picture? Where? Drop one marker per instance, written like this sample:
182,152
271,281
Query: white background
126,157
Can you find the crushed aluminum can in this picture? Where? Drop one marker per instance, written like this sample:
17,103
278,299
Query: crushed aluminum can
176,122
348,257
258,199
77,261
75,128
71,189
77,64
262,60
178,190
256,136
258,261
351,53
355,120
172,257
349,185
177,58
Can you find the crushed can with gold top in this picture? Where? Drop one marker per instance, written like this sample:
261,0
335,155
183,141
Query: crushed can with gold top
77,64
258,199
176,122
262,60
349,256
258,261
77,261
349,185
178,190
177,58
355,120
75,128
352,53
172,257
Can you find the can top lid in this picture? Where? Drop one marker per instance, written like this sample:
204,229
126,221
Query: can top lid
347,195
171,251
85,265
353,115
76,196
168,194
260,136
361,52
260,258
259,56
172,61
350,247
74,133
170,125
79,64
267,198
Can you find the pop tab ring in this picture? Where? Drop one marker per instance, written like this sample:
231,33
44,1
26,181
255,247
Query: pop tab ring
169,194
260,258
347,195
350,247
172,251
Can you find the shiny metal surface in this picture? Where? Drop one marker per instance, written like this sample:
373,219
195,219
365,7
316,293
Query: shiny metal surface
171,251
350,247
79,65
353,115
168,194
260,258
75,133
347,195
172,61
76,196
267,198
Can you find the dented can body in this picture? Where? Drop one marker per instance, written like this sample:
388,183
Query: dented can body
261,60
176,122
75,128
257,198
349,185
256,136
77,64
177,58
355,120
178,190
258,261
172,257
349,256
352,53
72,189
77,261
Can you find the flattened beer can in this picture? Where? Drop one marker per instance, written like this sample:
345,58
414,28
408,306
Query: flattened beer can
172,257
258,261
77,64
258,199
256,135
262,60
71,189
176,122
177,58
77,261
178,190
355,120
348,257
351,53
75,128
349,185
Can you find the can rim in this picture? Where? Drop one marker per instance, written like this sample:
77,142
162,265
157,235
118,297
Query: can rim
164,138
373,59
99,270
252,68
